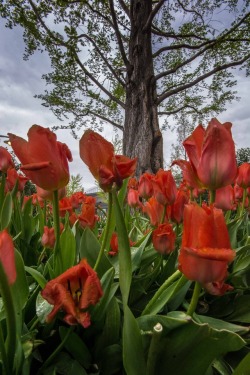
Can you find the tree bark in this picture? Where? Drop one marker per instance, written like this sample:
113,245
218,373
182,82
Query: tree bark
142,137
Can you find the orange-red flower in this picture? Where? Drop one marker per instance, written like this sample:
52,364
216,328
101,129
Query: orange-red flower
212,154
13,177
48,238
48,195
134,198
243,178
77,199
154,210
205,250
73,292
88,217
164,187
105,166
163,238
224,198
44,159
7,256
175,211
5,160
145,187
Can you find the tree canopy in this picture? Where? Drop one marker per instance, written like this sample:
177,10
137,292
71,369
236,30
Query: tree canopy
113,59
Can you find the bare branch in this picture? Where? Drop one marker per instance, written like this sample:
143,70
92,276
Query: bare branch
155,30
102,117
181,46
174,111
201,78
191,11
124,7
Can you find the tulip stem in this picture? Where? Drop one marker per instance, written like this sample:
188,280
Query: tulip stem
5,364
10,318
212,196
243,201
195,298
2,190
106,232
56,218
154,348
164,213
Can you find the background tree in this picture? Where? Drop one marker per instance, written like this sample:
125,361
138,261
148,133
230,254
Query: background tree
127,62
74,185
243,155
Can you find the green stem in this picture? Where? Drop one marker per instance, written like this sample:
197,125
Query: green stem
2,190
154,348
164,213
58,349
212,196
56,219
4,357
164,286
10,317
244,197
106,232
195,299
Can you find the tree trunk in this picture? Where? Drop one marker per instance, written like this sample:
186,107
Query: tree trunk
142,137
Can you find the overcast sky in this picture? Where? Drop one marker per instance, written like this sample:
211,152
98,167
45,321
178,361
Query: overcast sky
21,80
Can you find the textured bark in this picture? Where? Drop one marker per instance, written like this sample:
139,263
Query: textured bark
142,135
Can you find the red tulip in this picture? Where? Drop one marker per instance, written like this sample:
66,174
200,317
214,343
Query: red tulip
5,160
44,159
134,198
7,256
205,251
212,154
88,217
175,211
154,210
73,292
243,178
48,238
163,238
164,187
224,198
145,187
13,177
105,166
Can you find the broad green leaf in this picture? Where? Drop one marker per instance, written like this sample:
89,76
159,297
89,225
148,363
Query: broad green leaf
181,348
76,347
241,310
20,288
220,324
64,364
89,249
40,279
138,251
124,253
67,248
111,361
6,211
133,353
43,308
244,367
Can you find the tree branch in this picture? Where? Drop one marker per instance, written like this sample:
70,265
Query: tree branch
118,34
102,117
152,15
174,111
104,58
98,84
201,78
124,7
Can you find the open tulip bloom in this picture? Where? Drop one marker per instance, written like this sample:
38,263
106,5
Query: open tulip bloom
155,280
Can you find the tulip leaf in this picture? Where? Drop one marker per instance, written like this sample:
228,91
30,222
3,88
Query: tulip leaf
43,308
64,364
124,253
111,361
184,342
89,249
76,347
241,310
221,324
6,211
67,249
133,353
40,279
244,367
20,288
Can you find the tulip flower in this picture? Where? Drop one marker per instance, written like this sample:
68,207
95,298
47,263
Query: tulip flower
107,168
88,217
164,187
73,292
205,250
145,187
5,160
77,199
44,159
48,195
175,211
7,256
224,198
134,198
13,177
212,154
163,238
243,178
154,210
48,238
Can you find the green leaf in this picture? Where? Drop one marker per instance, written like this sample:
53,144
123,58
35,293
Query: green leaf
124,253
241,311
138,251
20,288
244,367
221,324
189,348
111,362
67,248
43,308
89,249
6,211
40,279
76,347
133,353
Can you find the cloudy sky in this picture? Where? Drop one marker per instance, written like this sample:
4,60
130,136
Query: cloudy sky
21,80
